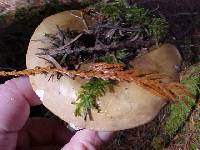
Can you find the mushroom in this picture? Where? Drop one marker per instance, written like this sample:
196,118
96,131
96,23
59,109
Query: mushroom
128,106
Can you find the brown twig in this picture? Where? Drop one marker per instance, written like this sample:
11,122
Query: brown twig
149,80
97,49
118,28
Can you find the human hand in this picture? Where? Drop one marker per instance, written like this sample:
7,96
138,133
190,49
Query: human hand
19,132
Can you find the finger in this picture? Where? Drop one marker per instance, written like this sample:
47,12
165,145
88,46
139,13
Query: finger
16,96
41,132
87,140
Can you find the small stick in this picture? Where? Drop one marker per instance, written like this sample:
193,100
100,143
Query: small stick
75,39
118,28
115,72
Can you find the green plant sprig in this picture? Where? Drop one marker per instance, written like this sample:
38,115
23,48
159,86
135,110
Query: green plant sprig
89,94
95,88
114,57
154,27
114,9
158,29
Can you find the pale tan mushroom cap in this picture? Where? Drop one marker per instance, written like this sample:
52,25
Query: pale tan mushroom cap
129,106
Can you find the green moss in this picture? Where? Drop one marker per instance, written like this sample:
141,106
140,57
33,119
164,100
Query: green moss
88,96
192,80
158,29
95,88
113,10
193,146
137,15
120,54
114,57
157,143
108,59
145,23
179,111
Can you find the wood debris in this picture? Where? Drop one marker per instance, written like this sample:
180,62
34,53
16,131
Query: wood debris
151,81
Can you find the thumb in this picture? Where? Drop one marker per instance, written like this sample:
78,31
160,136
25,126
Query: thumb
87,140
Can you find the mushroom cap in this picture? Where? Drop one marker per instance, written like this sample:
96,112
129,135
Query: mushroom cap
128,106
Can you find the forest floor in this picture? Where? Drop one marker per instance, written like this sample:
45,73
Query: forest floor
183,17
184,20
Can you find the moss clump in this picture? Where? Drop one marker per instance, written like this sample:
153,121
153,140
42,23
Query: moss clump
192,79
121,54
157,143
88,96
116,57
114,10
137,15
108,59
179,111
158,28
145,23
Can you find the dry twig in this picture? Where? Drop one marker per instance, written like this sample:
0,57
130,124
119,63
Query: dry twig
151,81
